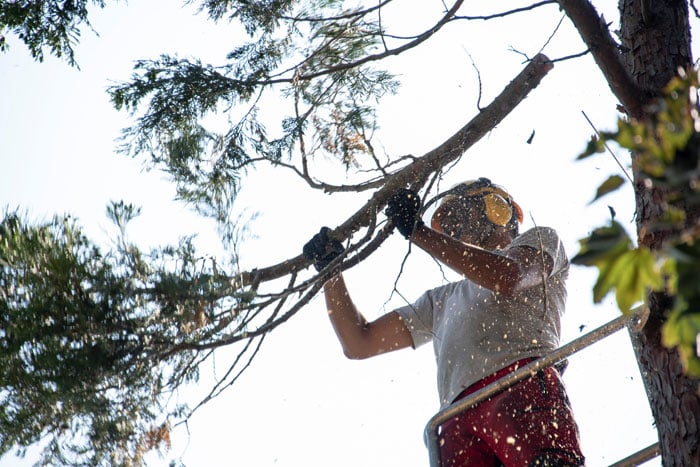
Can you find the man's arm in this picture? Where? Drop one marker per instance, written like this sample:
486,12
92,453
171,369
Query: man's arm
358,337
513,270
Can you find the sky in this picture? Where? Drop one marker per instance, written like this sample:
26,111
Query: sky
302,402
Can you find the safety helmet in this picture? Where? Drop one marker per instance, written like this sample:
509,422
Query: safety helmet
498,206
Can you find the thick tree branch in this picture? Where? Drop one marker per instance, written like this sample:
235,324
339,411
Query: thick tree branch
596,35
416,173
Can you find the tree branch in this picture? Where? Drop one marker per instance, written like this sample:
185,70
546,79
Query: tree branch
503,14
447,17
417,172
596,35
344,16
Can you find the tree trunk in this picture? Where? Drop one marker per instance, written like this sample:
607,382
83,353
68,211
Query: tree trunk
655,36
655,40
673,397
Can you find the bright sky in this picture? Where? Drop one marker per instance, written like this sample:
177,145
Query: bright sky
302,402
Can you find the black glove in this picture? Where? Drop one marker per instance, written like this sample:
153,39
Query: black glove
322,249
403,209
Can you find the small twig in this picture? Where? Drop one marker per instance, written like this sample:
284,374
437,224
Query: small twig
695,9
447,17
572,56
348,15
551,36
509,12
513,49
478,79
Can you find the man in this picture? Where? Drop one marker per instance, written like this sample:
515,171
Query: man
505,313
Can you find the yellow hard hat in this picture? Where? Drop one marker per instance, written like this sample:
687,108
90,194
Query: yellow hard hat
498,206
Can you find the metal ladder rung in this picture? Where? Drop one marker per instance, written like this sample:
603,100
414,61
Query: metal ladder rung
639,457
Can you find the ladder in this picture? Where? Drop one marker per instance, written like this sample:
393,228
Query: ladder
431,429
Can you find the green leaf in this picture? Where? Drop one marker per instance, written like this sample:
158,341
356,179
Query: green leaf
611,184
682,330
601,243
609,275
630,272
641,276
690,360
595,145
52,26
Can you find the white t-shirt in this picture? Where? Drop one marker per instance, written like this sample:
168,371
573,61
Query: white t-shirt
476,332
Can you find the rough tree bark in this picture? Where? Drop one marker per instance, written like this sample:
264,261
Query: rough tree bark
655,40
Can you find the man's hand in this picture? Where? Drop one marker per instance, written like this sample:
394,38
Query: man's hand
403,209
322,249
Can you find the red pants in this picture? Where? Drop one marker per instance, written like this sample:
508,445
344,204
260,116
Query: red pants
529,424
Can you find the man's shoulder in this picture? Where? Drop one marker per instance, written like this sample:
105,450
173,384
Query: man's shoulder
547,240
540,229
448,288
539,234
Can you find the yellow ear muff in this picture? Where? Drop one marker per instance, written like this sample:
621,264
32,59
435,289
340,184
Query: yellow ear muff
498,206
497,209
